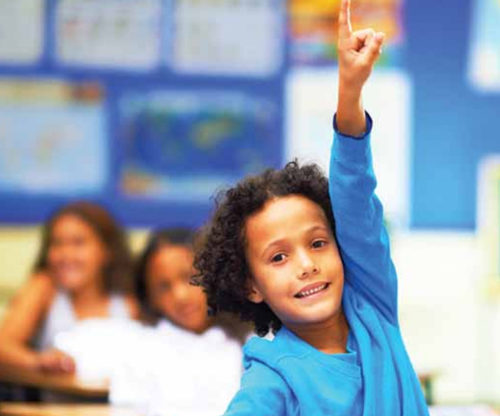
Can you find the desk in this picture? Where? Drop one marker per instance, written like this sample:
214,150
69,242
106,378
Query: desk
61,383
426,381
26,409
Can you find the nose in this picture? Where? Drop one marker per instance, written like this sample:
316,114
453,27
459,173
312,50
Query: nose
307,265
62,252
181,292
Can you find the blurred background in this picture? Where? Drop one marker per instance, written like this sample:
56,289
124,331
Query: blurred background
149,107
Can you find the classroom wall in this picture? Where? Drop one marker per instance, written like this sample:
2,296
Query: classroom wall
447,319
449,322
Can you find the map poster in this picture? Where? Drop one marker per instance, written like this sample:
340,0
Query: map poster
52,137
184,145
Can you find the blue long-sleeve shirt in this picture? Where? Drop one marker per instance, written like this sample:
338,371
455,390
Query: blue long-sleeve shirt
287,376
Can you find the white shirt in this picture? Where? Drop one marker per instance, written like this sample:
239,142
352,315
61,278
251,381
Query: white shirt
172,371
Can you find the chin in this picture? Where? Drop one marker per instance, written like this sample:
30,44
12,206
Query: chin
70,284
324,314
197,327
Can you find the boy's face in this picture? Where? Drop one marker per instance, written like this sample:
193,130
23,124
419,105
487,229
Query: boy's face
294,261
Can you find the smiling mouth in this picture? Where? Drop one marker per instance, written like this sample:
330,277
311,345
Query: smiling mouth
313,291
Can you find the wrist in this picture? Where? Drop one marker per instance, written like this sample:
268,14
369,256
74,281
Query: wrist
350,89
351,119
35,362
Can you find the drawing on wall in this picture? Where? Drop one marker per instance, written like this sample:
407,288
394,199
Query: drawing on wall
52,137
488,220
484,59
183,145
312,29
109,34
21,31
228,37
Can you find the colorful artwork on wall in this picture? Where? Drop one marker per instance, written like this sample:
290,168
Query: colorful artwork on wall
312,28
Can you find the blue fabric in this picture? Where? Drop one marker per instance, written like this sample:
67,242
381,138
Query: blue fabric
287,376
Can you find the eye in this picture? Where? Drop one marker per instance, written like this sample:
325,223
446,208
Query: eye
164,286
55,243
319,243
278,258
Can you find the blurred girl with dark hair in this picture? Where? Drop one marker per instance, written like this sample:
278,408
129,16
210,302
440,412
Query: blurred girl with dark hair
184,360
83,270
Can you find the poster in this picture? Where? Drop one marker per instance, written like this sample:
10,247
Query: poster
484,59
227,37
51,138
489,219
184,145
117,34
21,31
311,102
312,29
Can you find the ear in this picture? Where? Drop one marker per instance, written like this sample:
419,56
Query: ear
254,295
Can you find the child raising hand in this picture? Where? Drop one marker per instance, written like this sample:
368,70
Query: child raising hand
308,259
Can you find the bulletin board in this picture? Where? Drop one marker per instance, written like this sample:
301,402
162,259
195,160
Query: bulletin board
152,107
147,107
147,102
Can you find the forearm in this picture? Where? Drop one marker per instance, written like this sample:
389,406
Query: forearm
17,355
351,120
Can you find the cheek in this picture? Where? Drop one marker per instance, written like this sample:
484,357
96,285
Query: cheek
164,303
52,256
336,260
199,296
339,267
95,256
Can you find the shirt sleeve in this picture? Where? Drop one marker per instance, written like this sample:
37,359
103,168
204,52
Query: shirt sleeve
360,231
262,393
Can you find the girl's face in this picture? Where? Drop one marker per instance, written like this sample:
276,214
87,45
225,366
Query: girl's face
76,255
295,263
167,279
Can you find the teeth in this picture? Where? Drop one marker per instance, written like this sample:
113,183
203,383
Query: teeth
311,291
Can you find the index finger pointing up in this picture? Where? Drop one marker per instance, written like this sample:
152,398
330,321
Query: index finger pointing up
345,29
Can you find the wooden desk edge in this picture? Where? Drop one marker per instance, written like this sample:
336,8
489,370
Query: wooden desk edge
31,409
62,383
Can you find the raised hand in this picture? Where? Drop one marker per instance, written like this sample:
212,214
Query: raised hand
357,52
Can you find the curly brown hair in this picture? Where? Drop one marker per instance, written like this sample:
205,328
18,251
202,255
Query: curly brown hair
220,258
